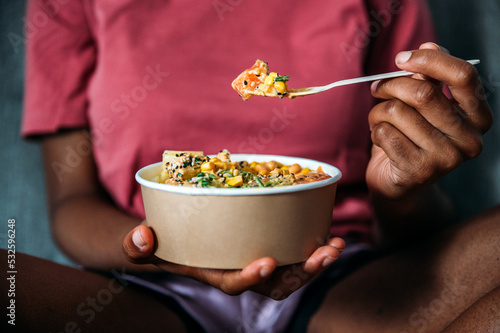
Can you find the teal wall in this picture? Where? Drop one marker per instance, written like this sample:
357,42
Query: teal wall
469,29
22,195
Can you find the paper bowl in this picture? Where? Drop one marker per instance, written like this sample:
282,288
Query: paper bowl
228,228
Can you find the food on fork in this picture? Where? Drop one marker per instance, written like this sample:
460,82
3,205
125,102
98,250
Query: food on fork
258,81
193,168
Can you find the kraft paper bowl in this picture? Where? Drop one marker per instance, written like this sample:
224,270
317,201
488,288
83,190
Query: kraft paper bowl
228,228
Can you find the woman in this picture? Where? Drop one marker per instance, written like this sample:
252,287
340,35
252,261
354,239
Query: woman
131,79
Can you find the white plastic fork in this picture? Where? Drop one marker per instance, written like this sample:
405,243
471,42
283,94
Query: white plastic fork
315,90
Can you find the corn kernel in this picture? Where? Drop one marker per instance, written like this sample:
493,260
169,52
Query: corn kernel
269,81
235,181
280,86
305,170
208,166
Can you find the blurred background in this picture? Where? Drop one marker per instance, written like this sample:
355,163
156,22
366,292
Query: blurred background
469,29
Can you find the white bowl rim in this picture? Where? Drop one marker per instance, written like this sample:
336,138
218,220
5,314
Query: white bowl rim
304,162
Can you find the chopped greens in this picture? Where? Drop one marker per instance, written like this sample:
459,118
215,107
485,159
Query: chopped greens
283,78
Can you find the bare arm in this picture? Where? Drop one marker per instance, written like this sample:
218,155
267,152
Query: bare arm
85,224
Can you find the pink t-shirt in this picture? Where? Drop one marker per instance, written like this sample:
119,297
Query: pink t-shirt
146,76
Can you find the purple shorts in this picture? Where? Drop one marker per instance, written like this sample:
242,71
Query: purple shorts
215,311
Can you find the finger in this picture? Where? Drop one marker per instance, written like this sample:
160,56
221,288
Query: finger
323,257
433,46
461,77
432,119
337,242
411,140
421,131
231,282
290,278
138,245
235,282
430,46
398,148
420,95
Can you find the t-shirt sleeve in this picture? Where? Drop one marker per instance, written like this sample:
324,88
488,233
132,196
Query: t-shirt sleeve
60,59
394,26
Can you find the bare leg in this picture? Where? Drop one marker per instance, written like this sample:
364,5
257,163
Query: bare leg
483,316
54,298
421,289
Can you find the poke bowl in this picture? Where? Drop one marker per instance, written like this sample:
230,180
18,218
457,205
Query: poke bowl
227,228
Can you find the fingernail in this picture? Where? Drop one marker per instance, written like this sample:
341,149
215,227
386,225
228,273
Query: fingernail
437,46
375,85
403,57
328,261
138,241
265,271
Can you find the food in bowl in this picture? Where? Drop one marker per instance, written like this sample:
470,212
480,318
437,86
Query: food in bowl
193,168
257,80
228,228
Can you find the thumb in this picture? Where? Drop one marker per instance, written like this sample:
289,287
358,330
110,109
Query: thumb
433,46
138,245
